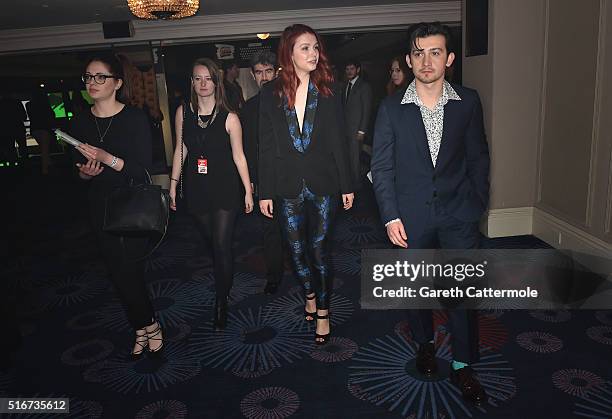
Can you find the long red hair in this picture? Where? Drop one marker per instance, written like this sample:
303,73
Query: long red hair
288,81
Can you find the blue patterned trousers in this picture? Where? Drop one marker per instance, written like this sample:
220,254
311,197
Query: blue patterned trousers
306,223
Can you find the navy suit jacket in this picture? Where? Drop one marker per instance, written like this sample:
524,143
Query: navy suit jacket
405,180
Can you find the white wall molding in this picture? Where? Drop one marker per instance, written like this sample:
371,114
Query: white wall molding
508,222
545,226
563,235
226,26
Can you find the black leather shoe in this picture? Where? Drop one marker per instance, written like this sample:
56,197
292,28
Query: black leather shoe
465,379
426,359
220,314
272,285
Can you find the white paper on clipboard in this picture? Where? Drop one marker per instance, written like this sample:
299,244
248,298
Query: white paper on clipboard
68,138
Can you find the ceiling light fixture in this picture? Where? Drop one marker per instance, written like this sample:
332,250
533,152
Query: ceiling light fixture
163,9
263,35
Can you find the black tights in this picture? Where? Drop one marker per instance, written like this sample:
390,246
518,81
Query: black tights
217,227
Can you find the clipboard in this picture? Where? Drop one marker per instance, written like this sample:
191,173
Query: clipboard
67,138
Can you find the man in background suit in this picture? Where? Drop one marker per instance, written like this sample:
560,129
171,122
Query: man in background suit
233,91
430,168
263,69
357,100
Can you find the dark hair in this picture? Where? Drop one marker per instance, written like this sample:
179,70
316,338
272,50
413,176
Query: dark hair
425,29
356,63
215,74
118,66
408,75
227,64
263,57
288,81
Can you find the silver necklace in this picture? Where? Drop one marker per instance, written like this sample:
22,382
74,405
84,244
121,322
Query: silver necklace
106,130
213,114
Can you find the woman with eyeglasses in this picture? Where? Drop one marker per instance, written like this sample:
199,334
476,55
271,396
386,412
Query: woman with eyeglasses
399,75
303,165
116,151
216,184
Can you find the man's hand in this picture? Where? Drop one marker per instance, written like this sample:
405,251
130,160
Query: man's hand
397,234
360,136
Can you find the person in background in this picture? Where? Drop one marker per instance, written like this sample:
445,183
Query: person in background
79,104
13,131
357,95
117,151
233,91
263,69
42,121
210,147
399,75
302,163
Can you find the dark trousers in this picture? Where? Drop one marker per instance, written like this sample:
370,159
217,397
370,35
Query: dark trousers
306,223
446,232
126,274
272,247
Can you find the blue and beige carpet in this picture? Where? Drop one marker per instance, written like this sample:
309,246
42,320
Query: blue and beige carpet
534,364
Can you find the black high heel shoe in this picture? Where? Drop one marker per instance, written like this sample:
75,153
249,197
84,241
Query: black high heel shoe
322,339
143,342
310,316
220,316
152,336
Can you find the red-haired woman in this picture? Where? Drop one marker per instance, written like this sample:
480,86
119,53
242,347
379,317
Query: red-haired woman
302,162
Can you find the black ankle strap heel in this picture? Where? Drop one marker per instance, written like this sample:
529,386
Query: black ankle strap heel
310,316
322,339
152,336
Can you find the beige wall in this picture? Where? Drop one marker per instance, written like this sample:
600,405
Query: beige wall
576,142
547,118
508,80
569,93
602,214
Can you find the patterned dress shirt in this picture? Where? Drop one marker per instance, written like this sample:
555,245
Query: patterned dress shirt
433,119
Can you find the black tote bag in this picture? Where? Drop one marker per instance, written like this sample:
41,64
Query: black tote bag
138,210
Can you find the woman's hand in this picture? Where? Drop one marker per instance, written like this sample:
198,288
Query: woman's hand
266,206
347,200
95,153
172,198
248,202
90,169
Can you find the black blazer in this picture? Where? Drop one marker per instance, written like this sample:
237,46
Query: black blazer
405,180
323,166
249,118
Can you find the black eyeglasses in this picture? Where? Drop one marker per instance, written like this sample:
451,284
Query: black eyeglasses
98,78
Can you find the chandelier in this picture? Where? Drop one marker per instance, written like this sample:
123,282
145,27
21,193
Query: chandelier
163,9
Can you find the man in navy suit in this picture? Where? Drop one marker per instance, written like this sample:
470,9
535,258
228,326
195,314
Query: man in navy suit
430,168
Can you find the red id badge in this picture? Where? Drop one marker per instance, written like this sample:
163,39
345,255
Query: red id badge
203,166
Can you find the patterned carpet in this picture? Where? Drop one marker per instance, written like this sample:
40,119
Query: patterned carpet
534,364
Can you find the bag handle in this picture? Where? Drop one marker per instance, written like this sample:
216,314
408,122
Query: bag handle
182,162
148,178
